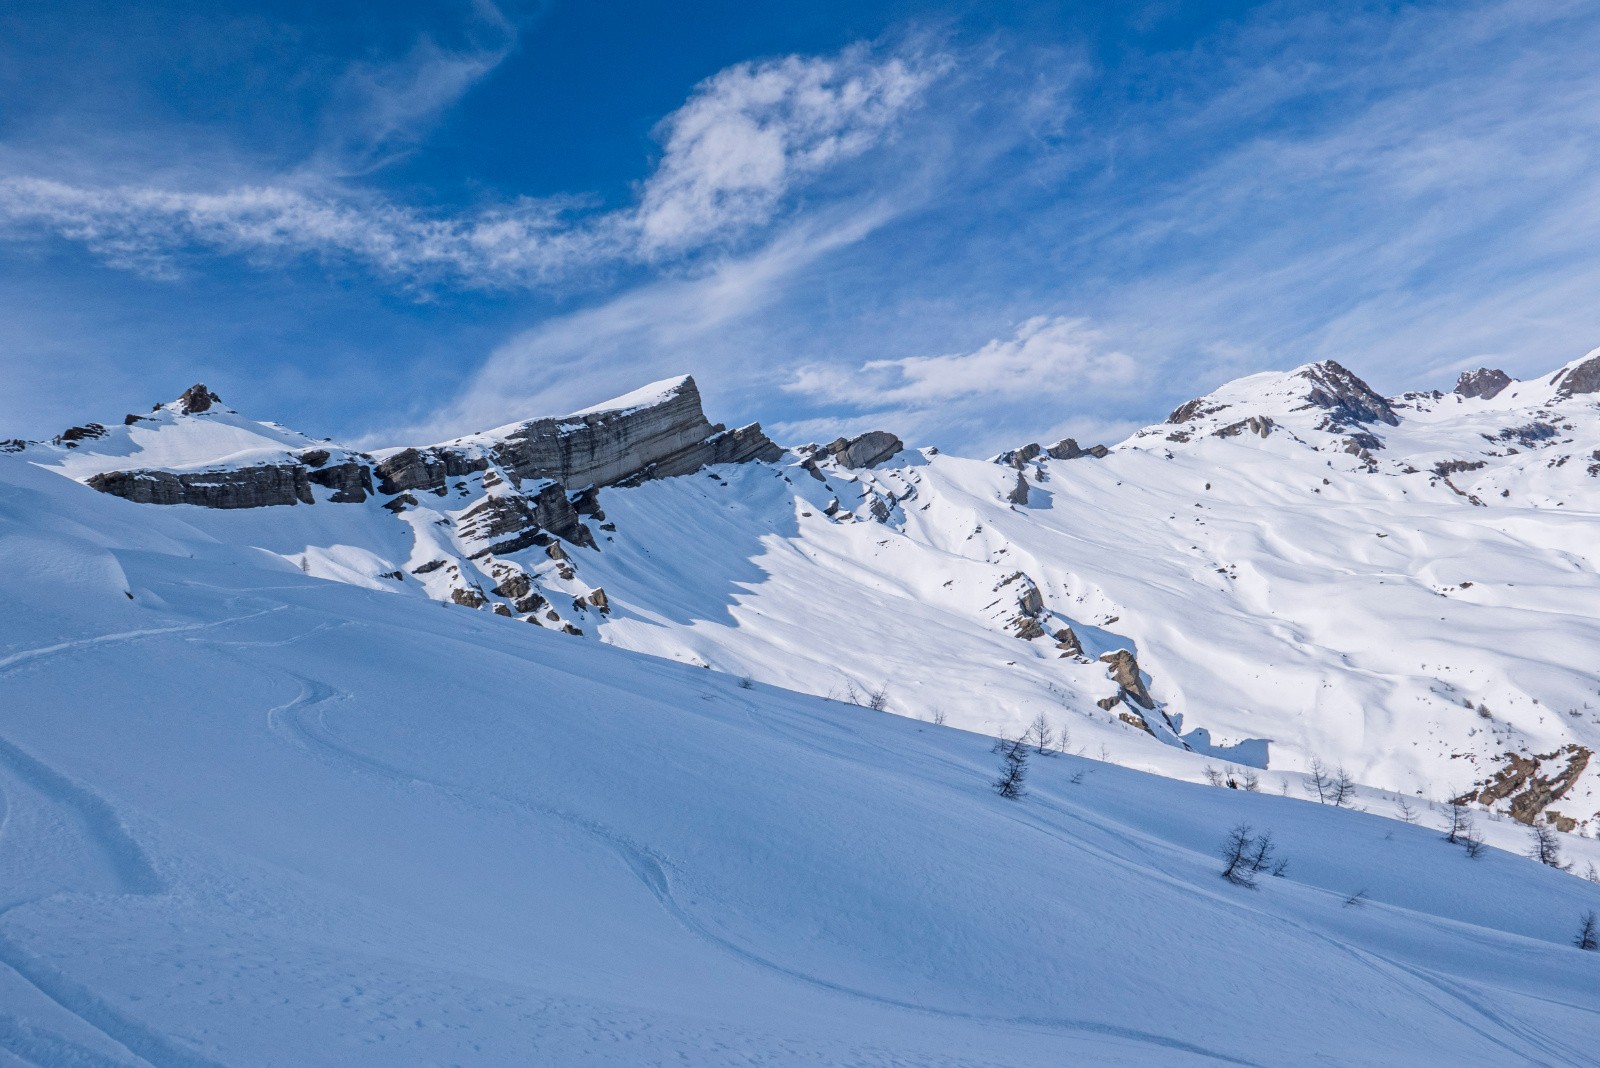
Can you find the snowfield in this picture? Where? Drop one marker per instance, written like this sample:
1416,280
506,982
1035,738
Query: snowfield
252,817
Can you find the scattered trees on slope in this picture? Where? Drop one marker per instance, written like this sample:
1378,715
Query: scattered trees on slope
1013,767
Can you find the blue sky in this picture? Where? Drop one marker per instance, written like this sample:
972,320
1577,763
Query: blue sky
973,223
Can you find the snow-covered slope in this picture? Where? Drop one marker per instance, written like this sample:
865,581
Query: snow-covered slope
255,818
1290,570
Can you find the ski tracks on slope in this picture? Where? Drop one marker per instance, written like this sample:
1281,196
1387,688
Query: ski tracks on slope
131,871
133,875
302,724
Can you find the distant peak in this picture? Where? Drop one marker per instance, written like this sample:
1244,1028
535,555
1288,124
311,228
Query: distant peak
1483,384
196,399
1345,395
646,396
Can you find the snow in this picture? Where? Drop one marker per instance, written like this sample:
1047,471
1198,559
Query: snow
1289,600
252,817
644,397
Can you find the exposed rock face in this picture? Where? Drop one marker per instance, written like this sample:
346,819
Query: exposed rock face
507,523
1125,670
1193,410
1584,378
81,433
670,437
1067,449
1019,492
246,487
1530,792
426,469
1067,641
1019,458
351,481
1259,425
1346,397
866,450
1484,384
196,399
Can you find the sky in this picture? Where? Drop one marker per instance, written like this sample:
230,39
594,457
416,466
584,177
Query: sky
975,224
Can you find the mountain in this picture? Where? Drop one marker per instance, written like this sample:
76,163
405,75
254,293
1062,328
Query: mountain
252,817
1289,571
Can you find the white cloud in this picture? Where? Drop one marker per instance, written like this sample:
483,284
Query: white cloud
1046,356
750,132
380,109
744,138
700,325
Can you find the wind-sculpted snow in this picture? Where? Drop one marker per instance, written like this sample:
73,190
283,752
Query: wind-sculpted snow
252,817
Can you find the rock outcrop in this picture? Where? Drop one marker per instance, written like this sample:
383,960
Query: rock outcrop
243,487
1345,397
1529,792
508,523
865,450
668,436
196,399
1584,378
426,469
1124,669
1019,492
1067,449
1484,384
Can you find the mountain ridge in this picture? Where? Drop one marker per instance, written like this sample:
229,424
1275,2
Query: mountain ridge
1045,586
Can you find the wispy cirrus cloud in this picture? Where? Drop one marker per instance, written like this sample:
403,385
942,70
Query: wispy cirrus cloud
743,139
1048,359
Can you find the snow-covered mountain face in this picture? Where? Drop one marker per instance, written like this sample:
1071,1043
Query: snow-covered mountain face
255,818
1290,570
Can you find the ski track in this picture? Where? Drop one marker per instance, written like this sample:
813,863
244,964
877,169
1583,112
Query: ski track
288,722
15,660
135,876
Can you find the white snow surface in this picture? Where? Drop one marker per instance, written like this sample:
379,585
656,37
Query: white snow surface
251,818
1311,594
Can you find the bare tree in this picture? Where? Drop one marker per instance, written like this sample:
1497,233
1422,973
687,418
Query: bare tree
1321,781
1460,822
1213,776
1250,781
1246,855
1013,767
878,699
1472,841
1262,854
1063,740
1236,856
1545,847
1343,789
1588,932
1407,811
1040,736
746,682
937,717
